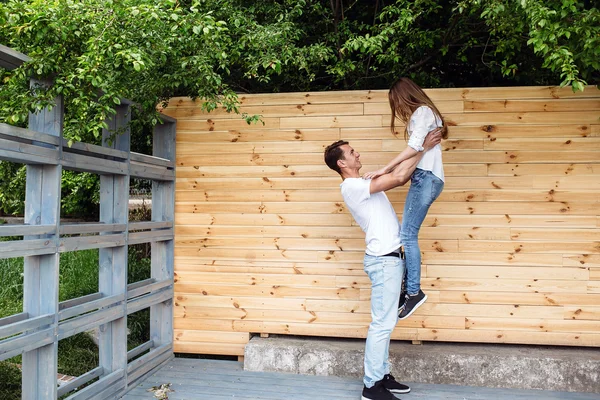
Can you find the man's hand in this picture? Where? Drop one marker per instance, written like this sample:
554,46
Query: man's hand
433,138
375,174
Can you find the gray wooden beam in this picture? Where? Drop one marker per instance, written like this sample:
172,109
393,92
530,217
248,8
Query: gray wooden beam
11,59
163,209
40,282
114,202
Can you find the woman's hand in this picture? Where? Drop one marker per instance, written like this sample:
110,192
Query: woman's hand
375,174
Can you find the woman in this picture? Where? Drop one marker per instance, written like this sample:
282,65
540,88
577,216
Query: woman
411,105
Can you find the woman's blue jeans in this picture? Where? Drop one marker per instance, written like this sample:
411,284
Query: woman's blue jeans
425,187
385,274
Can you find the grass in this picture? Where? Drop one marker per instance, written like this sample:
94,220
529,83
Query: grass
78,277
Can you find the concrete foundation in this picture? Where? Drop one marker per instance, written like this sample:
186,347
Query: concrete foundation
500,366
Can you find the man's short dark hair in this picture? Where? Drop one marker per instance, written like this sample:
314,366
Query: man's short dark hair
333,153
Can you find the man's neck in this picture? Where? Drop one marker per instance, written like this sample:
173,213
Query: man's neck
350,174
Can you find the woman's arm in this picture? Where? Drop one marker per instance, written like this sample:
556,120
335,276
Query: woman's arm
420,122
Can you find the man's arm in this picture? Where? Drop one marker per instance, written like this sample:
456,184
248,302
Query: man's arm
402,173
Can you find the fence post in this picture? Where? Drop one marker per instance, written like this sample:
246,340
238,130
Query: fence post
40,282
114,198
163,200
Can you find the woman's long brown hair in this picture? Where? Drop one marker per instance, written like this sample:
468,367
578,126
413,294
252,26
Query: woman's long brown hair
405,97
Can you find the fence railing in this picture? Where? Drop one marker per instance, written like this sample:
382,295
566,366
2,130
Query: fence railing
45,321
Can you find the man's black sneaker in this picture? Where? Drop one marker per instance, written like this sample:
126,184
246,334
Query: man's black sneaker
412,303
377,392
393,386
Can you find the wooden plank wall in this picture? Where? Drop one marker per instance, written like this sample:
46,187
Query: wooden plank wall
511,249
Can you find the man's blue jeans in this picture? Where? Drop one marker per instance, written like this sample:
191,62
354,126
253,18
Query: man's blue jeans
425,187
386,278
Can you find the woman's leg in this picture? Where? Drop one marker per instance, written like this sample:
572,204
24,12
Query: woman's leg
424,189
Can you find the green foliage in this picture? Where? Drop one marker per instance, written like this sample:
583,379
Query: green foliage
99,52
10,381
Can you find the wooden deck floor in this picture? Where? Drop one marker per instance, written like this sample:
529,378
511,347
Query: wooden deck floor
193,379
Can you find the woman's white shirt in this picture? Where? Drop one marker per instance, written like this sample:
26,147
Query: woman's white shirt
422,121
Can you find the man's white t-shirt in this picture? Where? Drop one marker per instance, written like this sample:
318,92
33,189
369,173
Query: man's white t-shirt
375,215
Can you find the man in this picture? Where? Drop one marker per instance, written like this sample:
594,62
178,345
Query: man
383,262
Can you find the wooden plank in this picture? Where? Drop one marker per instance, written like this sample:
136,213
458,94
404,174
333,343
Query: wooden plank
147,171
150,236
93,150
79,300
211,336
540,325
109,380
88,321
505,273
104,302
134,226
271,135
445,106
525,221
147,300
550,105
582,313
11,59
152,160
548,144
268,291
24,151
519,298
518,118
209,348
582,260
543,169
84,163
80,381
140,349
227,124
163,196
513,285
91,242
27,324
79,228
264,219
271,111
259,279
23,344
558,235
112,281
25,229
41,272
333,122
529,247
484,131
506,336
148,361
149,287
511,208
21,134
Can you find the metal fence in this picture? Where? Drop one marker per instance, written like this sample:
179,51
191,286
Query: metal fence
45,321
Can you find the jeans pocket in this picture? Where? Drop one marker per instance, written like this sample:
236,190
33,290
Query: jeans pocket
437,185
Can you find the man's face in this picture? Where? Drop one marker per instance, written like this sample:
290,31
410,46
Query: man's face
351,158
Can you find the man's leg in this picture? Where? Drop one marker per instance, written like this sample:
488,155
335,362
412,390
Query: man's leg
385,274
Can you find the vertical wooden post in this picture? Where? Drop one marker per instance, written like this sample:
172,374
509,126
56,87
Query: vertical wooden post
114,199
163,209
40,283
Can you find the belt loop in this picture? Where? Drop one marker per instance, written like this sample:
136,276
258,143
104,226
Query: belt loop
402,252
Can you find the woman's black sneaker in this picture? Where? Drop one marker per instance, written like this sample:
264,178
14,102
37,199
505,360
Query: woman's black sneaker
377,392
393,386
411,304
